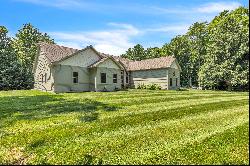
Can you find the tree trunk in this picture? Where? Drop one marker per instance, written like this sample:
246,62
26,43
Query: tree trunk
229,87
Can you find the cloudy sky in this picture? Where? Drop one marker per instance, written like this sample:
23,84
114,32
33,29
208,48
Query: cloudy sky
111,26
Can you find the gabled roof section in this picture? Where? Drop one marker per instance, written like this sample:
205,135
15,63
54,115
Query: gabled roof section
103,60
56,53
123,61
156,63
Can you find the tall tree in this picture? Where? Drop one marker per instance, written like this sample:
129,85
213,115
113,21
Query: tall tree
136,53
12,75
198,36
25,44
154,52
227,58
180,48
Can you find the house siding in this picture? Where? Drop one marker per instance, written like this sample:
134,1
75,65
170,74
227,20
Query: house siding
157,76
109,85
64,78
59,75
43,75
171,72
82,59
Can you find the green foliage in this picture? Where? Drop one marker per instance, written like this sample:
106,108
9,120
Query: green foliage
149,86
141,86
25,43
141,127
180,48
136,53
227,58
25,46
212,55
12,74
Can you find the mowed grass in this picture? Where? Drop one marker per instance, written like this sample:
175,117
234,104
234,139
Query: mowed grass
125,127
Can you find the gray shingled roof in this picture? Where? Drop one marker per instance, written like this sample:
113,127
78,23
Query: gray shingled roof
56,53
155,63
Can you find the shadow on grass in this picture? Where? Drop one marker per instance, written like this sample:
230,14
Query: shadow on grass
14,108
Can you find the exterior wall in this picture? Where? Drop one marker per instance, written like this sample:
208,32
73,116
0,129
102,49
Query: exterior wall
171,75
64,78
77,63
82,59
157,76
86,77
109,85
43,75
92,79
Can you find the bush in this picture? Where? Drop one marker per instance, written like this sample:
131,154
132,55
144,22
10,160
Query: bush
149,86
141,86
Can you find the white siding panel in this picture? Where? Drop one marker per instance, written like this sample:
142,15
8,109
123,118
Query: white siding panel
82,59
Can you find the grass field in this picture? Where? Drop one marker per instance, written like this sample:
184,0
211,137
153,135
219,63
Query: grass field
125,127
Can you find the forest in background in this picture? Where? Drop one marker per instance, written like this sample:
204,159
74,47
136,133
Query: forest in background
212,55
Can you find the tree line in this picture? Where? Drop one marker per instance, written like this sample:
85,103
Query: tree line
212,55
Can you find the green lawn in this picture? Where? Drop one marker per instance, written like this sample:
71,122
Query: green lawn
125,127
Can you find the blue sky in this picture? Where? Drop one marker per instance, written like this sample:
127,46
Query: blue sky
111,26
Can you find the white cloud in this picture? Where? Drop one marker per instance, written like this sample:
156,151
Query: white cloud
115,41
213,7
174,29
217,7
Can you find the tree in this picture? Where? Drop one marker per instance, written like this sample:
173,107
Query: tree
227,58
179,47
12,75
25,44
154,52
136,53
198,37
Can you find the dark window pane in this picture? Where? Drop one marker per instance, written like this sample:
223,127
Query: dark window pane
75,77
75,74
114,78
103,77
171,83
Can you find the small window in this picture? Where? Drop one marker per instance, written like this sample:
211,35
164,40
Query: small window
45,77
103,77
174,73
42,77
171,83
176,82
75,77
114,78
127,78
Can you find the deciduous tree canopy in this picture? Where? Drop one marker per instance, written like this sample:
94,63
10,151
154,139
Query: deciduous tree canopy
211,55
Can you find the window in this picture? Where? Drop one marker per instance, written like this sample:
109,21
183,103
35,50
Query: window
42,77
103,77
176,82
75,77
45,77
127,78
171,83
114,78
174,73
122,77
